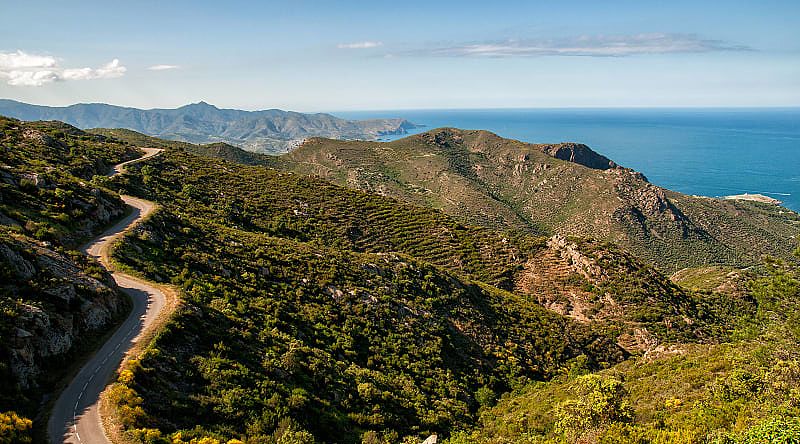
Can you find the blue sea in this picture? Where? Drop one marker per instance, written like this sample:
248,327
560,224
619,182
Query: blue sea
709,152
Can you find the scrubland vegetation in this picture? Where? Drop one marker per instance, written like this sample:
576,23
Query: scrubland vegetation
55,303
316,313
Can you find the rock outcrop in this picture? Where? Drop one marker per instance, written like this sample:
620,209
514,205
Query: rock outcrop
52,304
580,154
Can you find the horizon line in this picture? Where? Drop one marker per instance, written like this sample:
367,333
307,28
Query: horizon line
445,108
581,107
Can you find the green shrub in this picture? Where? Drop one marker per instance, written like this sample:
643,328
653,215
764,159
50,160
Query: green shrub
600,402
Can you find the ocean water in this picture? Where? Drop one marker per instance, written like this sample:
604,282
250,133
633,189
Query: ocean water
708,152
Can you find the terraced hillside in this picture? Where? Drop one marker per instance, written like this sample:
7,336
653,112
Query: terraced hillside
372,316
486,180
297,207
562,274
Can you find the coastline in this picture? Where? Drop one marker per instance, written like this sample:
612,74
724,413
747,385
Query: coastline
754,197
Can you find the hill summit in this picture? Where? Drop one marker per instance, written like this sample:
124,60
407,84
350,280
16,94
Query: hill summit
566,189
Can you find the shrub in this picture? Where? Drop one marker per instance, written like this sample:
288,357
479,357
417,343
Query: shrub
485,396
600,402
773,431
14,428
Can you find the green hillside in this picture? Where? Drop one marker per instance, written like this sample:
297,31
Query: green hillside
218,150
483,179
746,391
54,302
371,316
45,174
313,312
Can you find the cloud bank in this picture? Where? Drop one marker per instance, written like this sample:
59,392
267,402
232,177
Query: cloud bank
359,45
22,69
586,46
162,67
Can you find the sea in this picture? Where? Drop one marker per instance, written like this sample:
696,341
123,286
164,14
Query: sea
707,152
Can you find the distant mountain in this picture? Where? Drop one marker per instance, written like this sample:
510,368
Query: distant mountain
267,131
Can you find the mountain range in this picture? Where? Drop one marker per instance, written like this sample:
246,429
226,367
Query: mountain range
266,131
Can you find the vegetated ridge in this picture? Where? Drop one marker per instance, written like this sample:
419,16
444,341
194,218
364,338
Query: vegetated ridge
54,301
272,131
568,189
372,316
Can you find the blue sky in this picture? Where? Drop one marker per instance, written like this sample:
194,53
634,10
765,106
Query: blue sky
315,55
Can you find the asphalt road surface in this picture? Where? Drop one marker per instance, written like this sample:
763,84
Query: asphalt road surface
75,417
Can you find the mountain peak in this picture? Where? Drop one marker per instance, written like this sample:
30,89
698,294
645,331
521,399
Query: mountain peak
202,122
201,104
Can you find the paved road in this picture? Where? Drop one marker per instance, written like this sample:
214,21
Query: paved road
75,417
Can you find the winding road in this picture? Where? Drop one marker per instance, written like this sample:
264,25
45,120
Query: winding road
75,417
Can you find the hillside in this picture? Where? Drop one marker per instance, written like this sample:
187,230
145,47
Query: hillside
54,303
565,189
271,131
372,316
217,150
740,392
319,313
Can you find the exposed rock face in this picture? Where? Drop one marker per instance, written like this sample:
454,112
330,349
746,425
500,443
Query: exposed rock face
433,439
577,260
52,303
580,154
585,280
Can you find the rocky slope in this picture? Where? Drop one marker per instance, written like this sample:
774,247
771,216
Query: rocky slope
562,189
54,301
261,131
46,180
577,153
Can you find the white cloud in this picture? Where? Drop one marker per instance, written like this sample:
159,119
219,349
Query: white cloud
29,78
359,45
108,71
22,69
22,60
162,67
587,46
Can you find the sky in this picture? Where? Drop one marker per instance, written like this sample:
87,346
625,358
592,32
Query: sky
373,55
